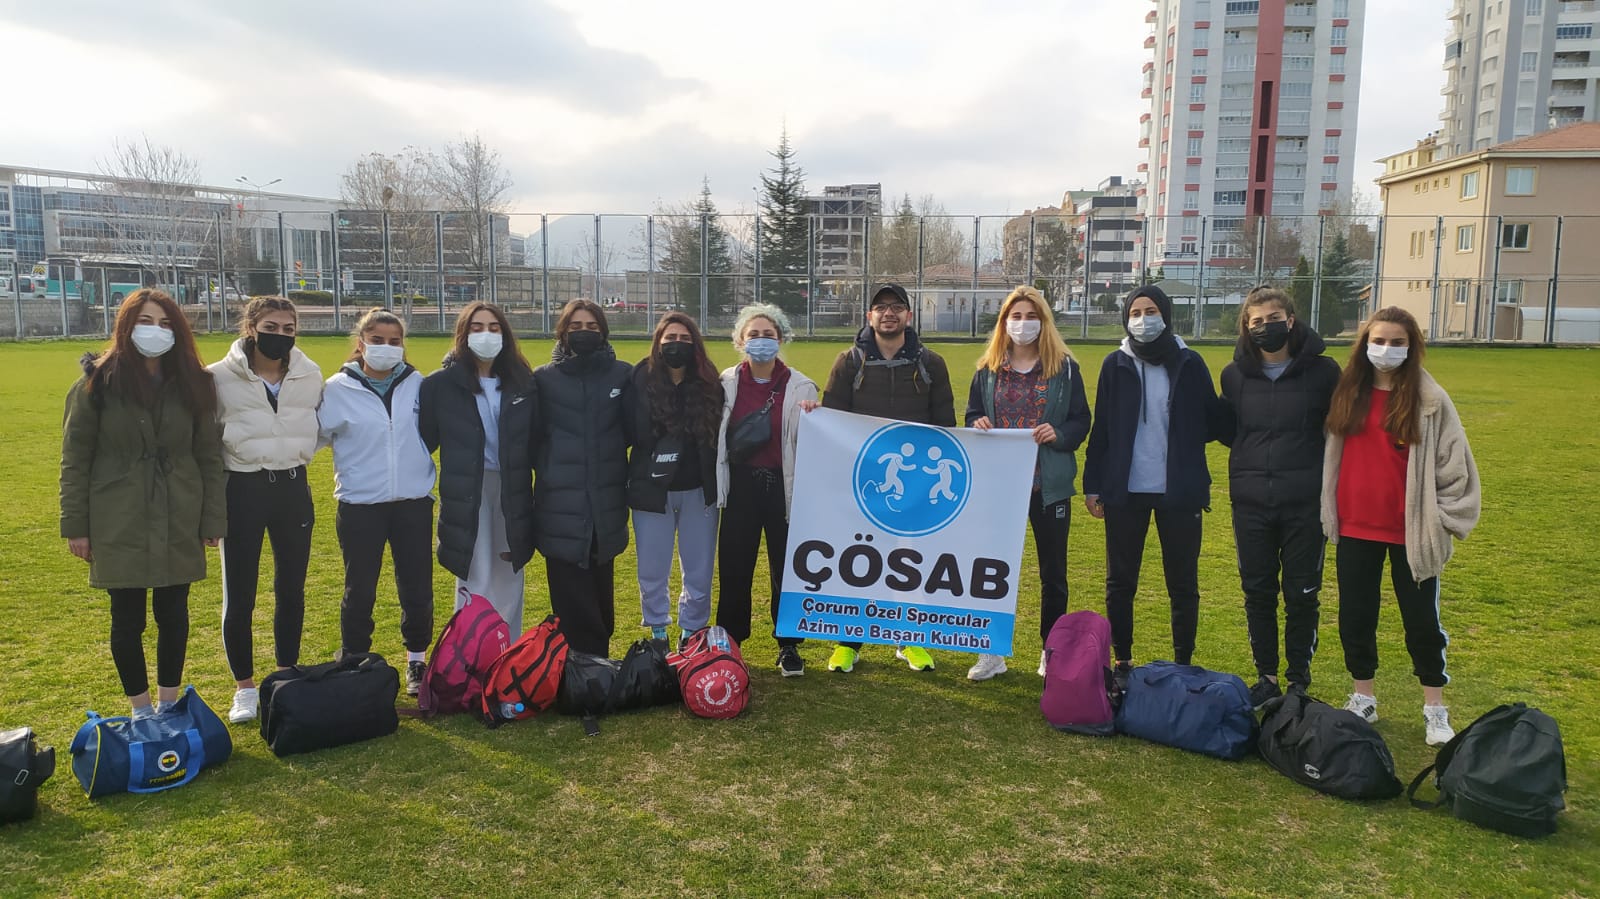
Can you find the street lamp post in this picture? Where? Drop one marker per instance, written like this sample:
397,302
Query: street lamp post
255,244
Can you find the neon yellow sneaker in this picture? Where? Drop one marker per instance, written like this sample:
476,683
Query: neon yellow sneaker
842,660
914,656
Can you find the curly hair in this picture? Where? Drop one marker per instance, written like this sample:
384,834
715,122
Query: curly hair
695,411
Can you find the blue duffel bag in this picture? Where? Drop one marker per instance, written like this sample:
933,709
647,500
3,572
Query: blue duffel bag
115,755
1189,707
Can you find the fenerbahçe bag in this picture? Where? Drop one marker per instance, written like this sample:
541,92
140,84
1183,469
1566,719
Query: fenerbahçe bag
115,755
711,674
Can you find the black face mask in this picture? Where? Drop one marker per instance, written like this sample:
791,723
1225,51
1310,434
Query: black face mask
584,342
275,346
1270,336
677,353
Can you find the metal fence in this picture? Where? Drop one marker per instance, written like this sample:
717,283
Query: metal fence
1526,279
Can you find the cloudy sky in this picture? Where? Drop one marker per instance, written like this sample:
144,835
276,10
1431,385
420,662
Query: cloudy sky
616,105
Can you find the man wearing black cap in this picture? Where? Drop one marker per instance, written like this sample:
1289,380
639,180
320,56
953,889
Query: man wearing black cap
891,374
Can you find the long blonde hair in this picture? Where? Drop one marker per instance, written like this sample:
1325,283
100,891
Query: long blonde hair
1053,352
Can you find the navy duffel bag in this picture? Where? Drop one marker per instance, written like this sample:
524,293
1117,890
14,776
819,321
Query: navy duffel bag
115,755
1189,707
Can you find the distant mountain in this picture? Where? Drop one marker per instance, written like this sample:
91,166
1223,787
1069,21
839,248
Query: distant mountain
572,243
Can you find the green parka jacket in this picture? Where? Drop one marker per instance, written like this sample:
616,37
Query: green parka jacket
145,485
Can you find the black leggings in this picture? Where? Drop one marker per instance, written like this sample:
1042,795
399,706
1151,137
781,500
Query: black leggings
171,607
1179,532
273,505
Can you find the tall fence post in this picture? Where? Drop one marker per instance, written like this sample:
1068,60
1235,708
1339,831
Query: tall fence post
811,275
283,259
972,326
1433,293
1377,271
494,280
1262,224
388,273
438,264
866,257
105,304
705,265
338,273
16,301
1494,287
1032,233
595,294
1555,285
1316,278
921,221
1200,280
222,274
1088,274
650,267
755,285
544,268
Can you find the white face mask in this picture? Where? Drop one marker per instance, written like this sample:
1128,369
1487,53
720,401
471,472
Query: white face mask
1023,330
382,356
484,344
152,340
1147,327
1386,358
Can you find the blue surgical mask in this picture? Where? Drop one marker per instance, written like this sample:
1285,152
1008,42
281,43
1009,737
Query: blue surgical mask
761,349
1146,327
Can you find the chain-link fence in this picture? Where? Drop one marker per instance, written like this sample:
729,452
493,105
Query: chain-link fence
1487,278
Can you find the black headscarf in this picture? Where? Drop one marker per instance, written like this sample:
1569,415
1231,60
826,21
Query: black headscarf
1162,349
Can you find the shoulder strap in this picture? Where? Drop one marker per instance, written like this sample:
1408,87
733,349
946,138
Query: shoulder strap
1411,792
859,359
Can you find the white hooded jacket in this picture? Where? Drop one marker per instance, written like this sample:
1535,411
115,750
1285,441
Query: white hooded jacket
378,453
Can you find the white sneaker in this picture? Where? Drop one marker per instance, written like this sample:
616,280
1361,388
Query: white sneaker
987,666
1365,706
1042,656
1438,721
245,702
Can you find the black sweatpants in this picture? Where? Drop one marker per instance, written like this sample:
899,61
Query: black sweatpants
275,505
755,506
1179,533
584,599
406,525
1281,545
171,608
1050,527
1359,566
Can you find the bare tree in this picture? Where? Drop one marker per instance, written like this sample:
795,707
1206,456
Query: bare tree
150,209
469,179
401,187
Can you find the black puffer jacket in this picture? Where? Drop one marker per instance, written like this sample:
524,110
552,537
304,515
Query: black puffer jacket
1276,432
649,494
585,425
448,419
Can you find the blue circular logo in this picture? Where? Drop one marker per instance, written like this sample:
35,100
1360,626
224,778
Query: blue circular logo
912,480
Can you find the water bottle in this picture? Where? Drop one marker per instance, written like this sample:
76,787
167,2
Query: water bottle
510,710
717,639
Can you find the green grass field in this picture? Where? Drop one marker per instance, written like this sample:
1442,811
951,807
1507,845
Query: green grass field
881,782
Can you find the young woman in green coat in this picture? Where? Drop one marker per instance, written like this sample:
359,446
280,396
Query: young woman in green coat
142,484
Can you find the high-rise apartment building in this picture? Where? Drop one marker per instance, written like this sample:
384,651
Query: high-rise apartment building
1252,113
1517,67
841,226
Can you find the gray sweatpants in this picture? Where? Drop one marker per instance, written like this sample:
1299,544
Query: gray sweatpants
695,525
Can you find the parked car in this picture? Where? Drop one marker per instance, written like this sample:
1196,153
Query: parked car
227,294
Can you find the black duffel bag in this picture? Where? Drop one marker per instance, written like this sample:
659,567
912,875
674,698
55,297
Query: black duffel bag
1327,749
305,709
593,686
644,679
23,767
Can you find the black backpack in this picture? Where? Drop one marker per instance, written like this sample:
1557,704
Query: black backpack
1506,772
23,767
1327,749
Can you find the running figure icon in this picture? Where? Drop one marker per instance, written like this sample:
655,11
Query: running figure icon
894,464
945,469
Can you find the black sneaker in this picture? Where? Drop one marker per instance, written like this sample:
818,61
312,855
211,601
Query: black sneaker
789,662
1120,675
414,674
1263,691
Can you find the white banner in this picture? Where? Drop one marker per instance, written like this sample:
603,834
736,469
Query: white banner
906,533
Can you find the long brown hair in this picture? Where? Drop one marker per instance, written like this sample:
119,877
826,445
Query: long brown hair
254,311
1053,352
573,306
1348,411
510,366
120,367
701,415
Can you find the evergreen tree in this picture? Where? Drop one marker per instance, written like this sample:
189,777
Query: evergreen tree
894,243
681,253
1300,290
785,237
1339,288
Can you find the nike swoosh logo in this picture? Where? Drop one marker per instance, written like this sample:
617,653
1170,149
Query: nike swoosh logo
658,476
616,392
1309,590
517,400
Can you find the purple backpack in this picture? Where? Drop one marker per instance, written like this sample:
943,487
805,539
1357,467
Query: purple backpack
472,639
1077,674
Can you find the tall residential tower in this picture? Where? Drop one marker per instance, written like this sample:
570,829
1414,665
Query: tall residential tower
1252,113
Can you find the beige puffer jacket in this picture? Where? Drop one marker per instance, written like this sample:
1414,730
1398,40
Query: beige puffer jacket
254,436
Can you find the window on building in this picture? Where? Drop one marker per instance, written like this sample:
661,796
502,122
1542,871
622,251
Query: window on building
1519,180
1330,172
1242,8
1492,39
1299,63
1509,293
1191,199
1469,185
1529,63
1291,145
1228,198
1574,32
1463,292
1197,92
1534,8
1227,225
1491,65
1288,198
1238,91
1239,62
1297,36
1485,119
1487,93
1232,36
1293,117
1201,38
1195,144
1330,145
1514,236
1524,122
1341,9
1330,199
1336,64
1233,145
1296,89
1232,172
1235,119
1336,36
1285,171
1464,235
1198,65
